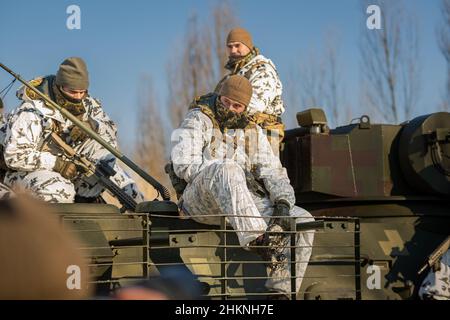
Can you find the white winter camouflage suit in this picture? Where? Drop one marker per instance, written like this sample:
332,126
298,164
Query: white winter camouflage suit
5,192
436,285
31,167
266,84
216,175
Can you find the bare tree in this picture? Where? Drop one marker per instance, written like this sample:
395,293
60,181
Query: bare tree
390,66
192,75
444,45
202,57
150,148
335,102
291,98
192,70
317,82
224,20
311,80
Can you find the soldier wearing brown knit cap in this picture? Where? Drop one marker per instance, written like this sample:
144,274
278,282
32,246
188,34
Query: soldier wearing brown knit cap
266,105
240,35
238,89
223,165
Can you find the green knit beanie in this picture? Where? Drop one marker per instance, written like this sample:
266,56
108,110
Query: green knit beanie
73,74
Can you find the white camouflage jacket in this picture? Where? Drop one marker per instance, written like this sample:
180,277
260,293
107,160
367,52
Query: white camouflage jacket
267,87
29,124
196,145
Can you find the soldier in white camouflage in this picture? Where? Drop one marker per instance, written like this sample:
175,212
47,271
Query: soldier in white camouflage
436,285
34,165
231,170
266,105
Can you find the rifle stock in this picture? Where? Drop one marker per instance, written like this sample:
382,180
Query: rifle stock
153,182
102,171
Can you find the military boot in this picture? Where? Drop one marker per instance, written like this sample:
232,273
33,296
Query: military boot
271,246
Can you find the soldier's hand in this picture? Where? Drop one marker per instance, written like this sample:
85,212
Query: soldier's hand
66,168
76,134
280,214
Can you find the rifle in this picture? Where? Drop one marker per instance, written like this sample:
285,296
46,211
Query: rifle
102,171
92,134
435,256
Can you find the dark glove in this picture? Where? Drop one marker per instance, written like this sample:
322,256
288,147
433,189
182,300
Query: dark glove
76,134
66,168
280,214
178,184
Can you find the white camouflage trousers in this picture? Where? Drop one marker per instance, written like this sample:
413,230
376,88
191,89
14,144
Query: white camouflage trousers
436,285
50,186
221,189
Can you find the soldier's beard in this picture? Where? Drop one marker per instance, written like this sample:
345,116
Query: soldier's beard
229,119
74,106
235,63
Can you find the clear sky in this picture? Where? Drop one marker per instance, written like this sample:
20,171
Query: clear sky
123,40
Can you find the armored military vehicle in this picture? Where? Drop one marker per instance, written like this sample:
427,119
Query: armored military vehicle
379,194
393,180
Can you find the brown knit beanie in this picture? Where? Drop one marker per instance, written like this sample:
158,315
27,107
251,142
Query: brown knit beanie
240,35
237,88
37,255
73,74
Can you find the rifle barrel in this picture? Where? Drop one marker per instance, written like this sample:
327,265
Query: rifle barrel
159,187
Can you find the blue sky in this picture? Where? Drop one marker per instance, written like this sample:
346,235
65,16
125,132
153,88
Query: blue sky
122,41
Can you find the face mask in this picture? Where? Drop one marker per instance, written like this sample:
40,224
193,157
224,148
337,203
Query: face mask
74,106
229,119
234,64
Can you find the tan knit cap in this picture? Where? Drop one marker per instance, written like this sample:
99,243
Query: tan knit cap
240,35
73,74
237,88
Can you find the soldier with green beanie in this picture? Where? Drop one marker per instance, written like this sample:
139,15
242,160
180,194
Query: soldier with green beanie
33,164
228,168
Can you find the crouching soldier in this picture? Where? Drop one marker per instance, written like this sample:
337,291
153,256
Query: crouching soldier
230,169
30,160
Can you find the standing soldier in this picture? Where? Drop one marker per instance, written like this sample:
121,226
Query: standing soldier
266,106
32,163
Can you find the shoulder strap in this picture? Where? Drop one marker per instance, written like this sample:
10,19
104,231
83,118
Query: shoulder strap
205,103
44,85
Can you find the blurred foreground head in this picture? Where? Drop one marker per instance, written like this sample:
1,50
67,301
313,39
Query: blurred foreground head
36,254
174,283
